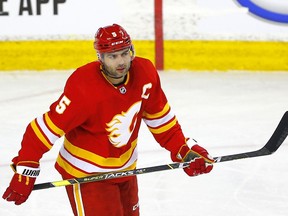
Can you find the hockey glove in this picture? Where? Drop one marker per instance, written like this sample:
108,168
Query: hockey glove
201,161
22,182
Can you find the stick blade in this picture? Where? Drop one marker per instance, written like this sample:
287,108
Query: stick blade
270,147
279,135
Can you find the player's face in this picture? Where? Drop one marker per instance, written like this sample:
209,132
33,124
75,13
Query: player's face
117,64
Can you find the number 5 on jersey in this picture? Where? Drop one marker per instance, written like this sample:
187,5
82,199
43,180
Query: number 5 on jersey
62,105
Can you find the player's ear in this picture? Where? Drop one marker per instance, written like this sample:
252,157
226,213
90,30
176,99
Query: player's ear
100,56
132,50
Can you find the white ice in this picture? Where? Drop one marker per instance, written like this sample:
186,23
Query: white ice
227,112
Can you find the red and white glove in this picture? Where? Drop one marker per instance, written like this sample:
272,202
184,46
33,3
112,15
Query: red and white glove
22,182
201,161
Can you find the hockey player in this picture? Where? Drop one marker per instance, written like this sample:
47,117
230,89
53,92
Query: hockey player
99,113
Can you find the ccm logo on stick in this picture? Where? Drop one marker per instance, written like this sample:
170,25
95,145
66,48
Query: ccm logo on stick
276,10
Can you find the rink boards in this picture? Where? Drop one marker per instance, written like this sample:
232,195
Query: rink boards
178,54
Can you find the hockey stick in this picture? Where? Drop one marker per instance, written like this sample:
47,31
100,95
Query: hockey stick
271,146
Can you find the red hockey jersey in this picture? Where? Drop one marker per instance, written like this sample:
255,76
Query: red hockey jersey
100,122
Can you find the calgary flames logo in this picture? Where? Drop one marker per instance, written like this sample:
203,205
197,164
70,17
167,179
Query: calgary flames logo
122,125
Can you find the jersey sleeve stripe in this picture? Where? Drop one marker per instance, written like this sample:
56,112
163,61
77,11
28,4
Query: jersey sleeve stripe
163,128
157,115
40,135
49,134
52,126
158,122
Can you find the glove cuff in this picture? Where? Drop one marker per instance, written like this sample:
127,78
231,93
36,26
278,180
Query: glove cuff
27,168
28,171
183,152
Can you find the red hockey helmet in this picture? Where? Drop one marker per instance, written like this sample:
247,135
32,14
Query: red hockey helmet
111,38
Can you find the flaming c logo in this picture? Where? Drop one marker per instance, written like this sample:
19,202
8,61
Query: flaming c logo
122,125
273,10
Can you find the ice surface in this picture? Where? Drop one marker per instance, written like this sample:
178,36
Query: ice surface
227,112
